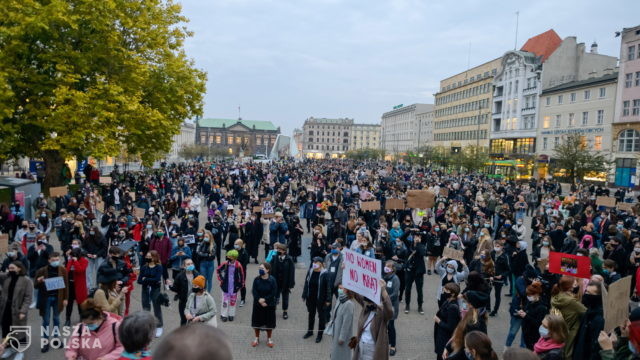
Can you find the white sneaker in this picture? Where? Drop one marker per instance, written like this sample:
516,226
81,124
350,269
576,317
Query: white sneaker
158,332
7,353
19,356
33,305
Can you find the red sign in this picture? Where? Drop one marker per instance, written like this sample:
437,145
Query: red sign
572,265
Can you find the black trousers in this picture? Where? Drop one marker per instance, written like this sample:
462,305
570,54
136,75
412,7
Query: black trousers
285,298
71,301
403,282
410,278
313,307
391,330
181,306
497,288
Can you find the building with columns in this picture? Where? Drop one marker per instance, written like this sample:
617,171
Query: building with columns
237,137
325,138
186,137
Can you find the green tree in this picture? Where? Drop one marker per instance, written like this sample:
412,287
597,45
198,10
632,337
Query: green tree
574,157
85,78
473,158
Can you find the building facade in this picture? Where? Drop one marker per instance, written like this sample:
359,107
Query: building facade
462,108
583,107
298,142
186,137
626,123
237,137
326,138
365,136
399,128
425,127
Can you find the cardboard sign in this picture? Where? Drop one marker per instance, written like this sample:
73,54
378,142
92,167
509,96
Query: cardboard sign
361,274
572,265
4,243
444,192
452,253
616,306
257,209
58,191
139,212
132,194
105,180
54,283
394,204
420,199
267,210
370,205
606,201
623,206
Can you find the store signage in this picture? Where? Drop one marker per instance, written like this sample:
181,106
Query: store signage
572,131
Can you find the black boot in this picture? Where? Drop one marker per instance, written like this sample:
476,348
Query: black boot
308,335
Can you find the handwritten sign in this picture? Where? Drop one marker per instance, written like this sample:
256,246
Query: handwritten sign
4,243
105,180
58,191
452,253
54,283
606,201
567,264
420,199
257,209
361,274
370,205
139,212
267,209
623,206
132,194
394,204
616,306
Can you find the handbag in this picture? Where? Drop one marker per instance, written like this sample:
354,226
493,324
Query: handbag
329,329
353,342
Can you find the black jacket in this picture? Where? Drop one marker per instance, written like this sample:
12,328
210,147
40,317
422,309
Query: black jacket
449,315
587,347
284,272
324,288
536,311
518,262
38,260
181,285
502,265
123,270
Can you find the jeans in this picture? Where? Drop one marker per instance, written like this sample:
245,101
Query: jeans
514,326
410,278
92,271
497,288
206,270
391,329
151,295
51,307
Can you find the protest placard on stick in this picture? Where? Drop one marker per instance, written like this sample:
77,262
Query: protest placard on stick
394,204
58,191
370,205
452,253
361,274
568,264
140,212
606,201
420,199
4,243
616,306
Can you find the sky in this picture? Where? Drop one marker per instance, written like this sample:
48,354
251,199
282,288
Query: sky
287,60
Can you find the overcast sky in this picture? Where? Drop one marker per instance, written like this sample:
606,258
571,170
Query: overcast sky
286,60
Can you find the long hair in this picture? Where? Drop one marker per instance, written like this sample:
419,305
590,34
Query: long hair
564,284
470,318
481,344
557,328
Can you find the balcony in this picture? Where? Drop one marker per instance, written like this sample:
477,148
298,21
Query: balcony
530,89
497,96
529,109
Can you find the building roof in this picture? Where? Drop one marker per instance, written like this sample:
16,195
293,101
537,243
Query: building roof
221,123
583,83
543,45
329,121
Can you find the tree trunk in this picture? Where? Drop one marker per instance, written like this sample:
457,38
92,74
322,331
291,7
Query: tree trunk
53,163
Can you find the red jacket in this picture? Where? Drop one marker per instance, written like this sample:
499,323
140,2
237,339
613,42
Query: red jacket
163,247
79,278
136,232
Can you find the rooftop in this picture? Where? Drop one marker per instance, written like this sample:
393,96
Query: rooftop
583,83
543,45
221,123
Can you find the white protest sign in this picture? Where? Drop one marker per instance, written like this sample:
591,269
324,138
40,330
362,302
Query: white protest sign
54,283
361,274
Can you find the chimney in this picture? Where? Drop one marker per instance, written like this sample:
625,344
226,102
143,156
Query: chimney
594,48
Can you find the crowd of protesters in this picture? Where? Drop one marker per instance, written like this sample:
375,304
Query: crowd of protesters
108,238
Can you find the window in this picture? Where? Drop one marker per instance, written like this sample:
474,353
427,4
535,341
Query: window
546,122
544,143
572,119
629,141
203,139
229,139
311,133
625,107
636,107
597,143
603,92
587,94
559,99
548,100
600,118
218,139
556,141
637,82
628,80
259,140
558,120
573,97
585,117
631,53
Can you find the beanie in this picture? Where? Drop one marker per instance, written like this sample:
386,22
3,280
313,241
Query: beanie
199,281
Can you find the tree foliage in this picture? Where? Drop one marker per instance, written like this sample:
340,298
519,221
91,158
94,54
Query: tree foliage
93,78
574,157
365,154
197,151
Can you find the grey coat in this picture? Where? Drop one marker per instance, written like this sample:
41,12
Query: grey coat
394,293
22,295
342,330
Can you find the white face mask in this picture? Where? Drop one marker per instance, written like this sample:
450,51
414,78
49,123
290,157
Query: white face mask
531,298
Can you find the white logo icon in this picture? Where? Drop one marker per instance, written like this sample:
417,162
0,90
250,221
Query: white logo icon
19,337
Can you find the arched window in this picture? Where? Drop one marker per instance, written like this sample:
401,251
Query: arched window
629,141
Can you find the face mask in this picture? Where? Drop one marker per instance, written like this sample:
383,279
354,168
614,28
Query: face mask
476,224
544,332
199,234
32,228
75,246
191,267
591,301
261,272
149,226
93,327
545,243
454,243
11,253
620,226
335,251
467,230
205,239
55,263
43,215
519,222
486,225
147,260
507,225
340,292
388,269
92,232
160,234
605,271
196,290
497,249
637,250
483,257
444,296
437,229
316,266
531,298
450,270
468,354
237,247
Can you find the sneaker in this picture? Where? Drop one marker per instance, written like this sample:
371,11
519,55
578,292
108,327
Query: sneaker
7,353
285,315
308,335
255,342
33,305
230,318
492,314
223,318
428,273
392,352
420,310
241,303
406,310
270,343
158,332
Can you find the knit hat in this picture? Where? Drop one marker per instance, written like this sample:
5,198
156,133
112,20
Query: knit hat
199,281
477,299
232,254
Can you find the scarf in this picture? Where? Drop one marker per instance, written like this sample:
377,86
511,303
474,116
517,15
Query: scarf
343,298
546,344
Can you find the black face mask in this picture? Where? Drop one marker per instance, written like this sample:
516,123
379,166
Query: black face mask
592,301
196,290
147,260
13,274
444,297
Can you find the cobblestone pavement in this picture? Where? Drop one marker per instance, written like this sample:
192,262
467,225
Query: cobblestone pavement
414,331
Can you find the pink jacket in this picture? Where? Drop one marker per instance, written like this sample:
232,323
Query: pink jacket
91,345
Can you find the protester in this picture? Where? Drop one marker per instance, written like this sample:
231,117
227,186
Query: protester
136,333
532,314
232,278
553,334
571,309
182,287
179,254
151,280
76,269
206,254
341,325
317,296
586,343
194,342
200,307
263,317
15,299
107,296
478,346
447,317
96,337
393,289
51,302
372,336
283,270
